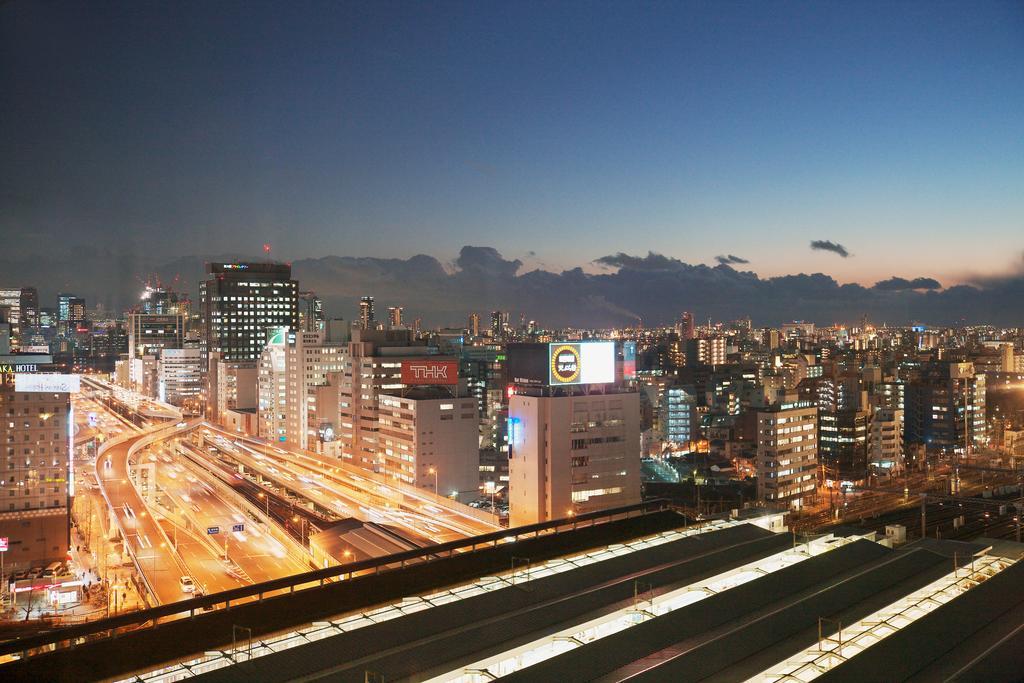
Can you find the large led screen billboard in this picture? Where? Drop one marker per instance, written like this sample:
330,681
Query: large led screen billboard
581,363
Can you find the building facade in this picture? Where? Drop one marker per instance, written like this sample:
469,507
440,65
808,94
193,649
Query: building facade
787,454
572,454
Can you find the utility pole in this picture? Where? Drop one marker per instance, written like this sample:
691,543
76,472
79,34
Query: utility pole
924,499
1020,504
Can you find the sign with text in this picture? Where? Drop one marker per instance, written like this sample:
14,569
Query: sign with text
581,363
238,527
46,383
428,371
3,544
213,530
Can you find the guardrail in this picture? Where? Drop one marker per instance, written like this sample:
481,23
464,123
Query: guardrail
68,637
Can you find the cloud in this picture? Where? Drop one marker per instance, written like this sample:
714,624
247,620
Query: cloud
654,287
898,284
653,261
826,245
730,259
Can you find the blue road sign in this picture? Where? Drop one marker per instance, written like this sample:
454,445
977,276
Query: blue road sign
238,527
213,530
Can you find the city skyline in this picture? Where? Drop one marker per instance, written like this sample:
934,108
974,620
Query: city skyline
625,289
556,135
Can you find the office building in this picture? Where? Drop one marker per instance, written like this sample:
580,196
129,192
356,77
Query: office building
787,454
180,378
474,324
373,365
944,408
150,333
10,312
239,302
428,438
294,369
29,309
70,313
367,319
572,454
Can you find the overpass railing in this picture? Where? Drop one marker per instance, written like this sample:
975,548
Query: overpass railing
109,627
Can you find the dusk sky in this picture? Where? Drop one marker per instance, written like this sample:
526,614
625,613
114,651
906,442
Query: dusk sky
557,133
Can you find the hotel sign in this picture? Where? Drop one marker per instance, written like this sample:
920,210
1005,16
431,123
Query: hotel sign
10,368
45,383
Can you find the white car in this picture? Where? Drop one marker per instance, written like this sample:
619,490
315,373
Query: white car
187,584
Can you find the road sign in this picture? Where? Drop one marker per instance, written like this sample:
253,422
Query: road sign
238,527
3,544
211,530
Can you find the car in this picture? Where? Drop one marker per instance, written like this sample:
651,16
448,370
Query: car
187,584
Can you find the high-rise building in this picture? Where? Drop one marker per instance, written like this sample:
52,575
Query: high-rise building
239,303
705,351
180,377
160,301
368,421
29,309
149,333
787,454
945,408
474,324
571,454
367,320
10,312
678,415
38,480
395,317
70,313
499,324
482,368
293,369
311,312
685,328
885,441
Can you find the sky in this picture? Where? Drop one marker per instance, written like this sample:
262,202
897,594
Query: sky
557,133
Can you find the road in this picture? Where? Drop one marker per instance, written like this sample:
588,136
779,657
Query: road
197,508
350,491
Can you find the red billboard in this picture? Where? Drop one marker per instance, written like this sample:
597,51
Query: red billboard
429,371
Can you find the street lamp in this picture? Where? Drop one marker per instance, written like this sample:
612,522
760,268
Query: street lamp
302,528
264,496
433,470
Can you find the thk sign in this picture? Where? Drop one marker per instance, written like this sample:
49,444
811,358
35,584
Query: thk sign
430,372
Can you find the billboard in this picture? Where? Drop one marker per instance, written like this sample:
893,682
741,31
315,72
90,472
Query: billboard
629,360
581,363
45,383
429,371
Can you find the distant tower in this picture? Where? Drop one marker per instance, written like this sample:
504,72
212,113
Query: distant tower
685,326
366,318
496,324
394,316
474,324
311,312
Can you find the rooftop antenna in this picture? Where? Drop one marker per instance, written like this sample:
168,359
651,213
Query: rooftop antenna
266,249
